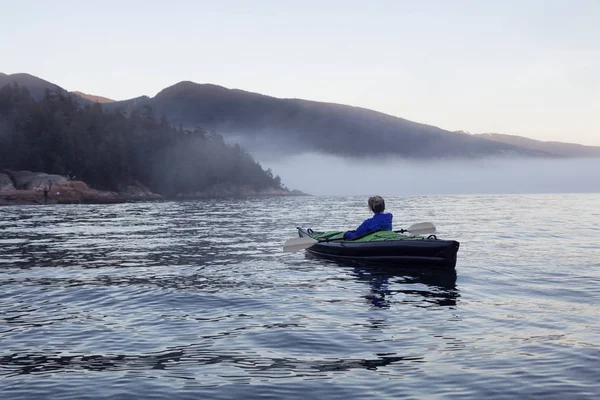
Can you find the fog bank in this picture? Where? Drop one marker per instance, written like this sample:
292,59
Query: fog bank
330,175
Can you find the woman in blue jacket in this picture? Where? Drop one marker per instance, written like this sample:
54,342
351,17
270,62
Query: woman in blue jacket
379,221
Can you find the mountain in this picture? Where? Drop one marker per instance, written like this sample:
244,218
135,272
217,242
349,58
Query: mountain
268,124
557,148
93,98
36,86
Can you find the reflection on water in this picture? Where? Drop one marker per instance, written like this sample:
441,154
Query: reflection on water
434,286
196,299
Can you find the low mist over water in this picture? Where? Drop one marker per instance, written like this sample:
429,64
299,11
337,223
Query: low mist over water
330,175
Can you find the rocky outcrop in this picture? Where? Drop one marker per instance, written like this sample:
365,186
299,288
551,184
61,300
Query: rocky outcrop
28,187
27,180
296,192
6,183
136,190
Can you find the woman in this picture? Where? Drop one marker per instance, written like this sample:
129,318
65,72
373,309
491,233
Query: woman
379,221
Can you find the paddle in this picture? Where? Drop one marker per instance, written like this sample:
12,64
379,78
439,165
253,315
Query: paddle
296,244
422,228
301,243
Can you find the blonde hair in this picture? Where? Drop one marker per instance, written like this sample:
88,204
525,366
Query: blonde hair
377,204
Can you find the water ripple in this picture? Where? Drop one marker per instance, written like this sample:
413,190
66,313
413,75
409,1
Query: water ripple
195,299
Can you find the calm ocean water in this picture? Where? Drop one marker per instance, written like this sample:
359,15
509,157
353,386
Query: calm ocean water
195,300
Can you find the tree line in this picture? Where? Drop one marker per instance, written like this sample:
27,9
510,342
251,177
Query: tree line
108,150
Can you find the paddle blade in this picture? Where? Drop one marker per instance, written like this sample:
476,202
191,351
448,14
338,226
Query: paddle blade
422,228
296,244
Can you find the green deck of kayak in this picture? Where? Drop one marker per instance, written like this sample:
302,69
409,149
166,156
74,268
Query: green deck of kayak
372,237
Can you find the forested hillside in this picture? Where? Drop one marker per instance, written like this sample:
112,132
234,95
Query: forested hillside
58,134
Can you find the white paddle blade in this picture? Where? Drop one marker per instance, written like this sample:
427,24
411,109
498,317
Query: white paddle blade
422,228
296,244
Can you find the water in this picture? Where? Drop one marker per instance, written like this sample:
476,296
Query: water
195,300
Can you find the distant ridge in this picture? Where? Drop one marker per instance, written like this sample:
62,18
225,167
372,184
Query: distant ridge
552,147
266,124
283,126
94,98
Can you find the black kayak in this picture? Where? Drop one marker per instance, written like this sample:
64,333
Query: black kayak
385,247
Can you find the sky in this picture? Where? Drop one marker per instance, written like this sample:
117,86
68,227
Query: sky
527,67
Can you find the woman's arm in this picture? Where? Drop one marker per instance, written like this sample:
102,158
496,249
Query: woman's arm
365,227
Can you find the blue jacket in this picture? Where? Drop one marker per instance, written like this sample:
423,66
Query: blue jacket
377,223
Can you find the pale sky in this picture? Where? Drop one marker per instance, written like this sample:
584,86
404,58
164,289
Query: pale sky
527,67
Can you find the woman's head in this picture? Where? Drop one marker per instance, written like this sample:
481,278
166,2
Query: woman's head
376,204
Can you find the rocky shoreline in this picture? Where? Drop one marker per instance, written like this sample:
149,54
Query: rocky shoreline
220,191
26,187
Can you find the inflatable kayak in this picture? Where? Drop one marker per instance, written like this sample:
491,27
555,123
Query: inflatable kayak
385,247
